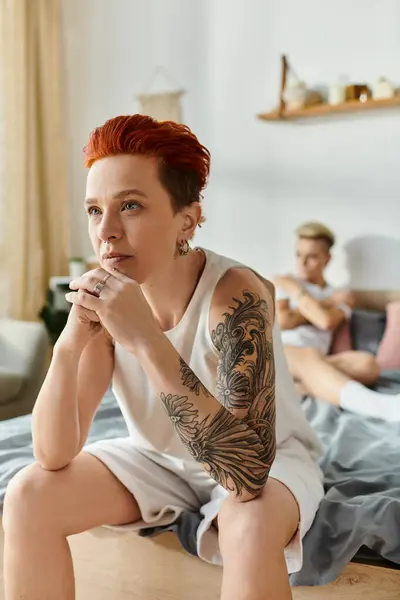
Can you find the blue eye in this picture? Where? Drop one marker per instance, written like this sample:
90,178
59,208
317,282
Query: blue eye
91,209
129,205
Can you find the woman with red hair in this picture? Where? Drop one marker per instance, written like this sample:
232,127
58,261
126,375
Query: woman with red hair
190,342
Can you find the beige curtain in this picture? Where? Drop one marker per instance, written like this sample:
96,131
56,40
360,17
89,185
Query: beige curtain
34,176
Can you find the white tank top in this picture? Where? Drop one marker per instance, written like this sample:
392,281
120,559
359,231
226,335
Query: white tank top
148,423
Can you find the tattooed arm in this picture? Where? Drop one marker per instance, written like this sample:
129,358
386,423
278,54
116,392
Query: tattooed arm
232,434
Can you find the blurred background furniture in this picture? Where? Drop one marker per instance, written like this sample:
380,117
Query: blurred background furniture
55,312
24,359
375,299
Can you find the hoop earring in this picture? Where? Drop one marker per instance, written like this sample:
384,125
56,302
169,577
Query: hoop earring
184,248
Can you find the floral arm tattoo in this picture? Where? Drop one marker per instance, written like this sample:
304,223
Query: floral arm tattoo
236,442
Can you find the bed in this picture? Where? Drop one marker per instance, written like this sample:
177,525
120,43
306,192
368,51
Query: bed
359,518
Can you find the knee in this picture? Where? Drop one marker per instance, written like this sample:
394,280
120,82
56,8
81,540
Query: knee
27,499
237,525
299,357
237,519
369,368
245,527
263,525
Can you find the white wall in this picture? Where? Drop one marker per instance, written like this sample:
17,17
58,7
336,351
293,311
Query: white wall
112,49
266,177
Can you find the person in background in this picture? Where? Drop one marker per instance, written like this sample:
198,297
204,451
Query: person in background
309,311
190,342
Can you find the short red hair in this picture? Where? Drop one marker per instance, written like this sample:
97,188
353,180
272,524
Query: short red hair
184,163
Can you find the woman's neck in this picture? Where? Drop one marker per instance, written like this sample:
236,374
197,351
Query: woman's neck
169,298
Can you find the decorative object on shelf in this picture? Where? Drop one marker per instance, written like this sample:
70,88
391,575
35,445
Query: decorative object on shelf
313,97
77,267
297,102
295,95
383,89
358,92
164,101
326,110
336,94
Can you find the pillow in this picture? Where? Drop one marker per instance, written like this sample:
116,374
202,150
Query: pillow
341,341
388,355
367,329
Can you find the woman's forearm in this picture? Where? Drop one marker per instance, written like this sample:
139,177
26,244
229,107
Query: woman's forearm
290,319
55,418
229,449
316,312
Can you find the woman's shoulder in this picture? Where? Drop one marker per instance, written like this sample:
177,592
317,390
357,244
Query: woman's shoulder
240,288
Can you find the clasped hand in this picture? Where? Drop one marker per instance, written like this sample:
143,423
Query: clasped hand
120,305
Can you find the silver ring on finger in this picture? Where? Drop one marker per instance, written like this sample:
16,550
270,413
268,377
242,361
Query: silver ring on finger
98,287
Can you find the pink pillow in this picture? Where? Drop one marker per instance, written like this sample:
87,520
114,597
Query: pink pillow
388,355
341,341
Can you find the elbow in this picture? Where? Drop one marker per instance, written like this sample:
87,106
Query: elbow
49,465
53,466
327,324
51,462
245,495
284,324
282,316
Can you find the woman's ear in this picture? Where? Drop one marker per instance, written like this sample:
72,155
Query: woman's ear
192,216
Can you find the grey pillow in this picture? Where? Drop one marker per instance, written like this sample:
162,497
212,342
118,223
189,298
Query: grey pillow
367,328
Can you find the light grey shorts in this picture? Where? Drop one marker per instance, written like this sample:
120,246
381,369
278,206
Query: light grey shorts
164,487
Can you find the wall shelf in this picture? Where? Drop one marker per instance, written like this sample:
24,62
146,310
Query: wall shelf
321,110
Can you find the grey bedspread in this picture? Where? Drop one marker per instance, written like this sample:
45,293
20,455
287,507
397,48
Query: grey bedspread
361,507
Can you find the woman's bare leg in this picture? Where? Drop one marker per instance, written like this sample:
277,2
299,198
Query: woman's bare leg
321,379
359,366
318,377
252,537
42,508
